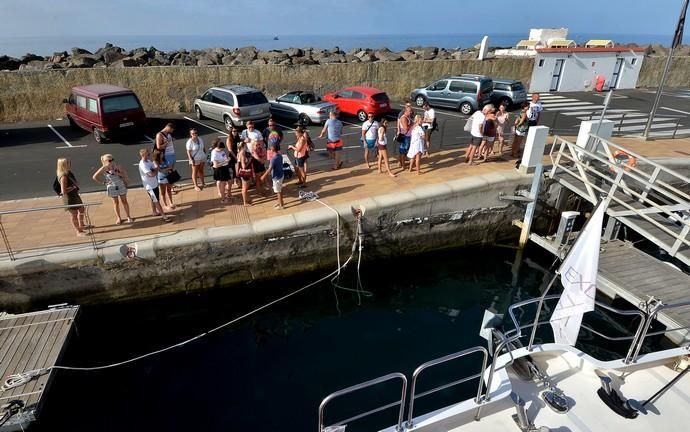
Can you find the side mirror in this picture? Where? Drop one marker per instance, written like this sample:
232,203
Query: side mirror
65,101
336,97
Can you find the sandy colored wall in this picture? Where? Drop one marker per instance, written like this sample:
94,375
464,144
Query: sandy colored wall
653,68
166,89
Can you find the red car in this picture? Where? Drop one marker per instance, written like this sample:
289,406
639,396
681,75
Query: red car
360,101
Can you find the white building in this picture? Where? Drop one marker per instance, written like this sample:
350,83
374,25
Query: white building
538,38
577,69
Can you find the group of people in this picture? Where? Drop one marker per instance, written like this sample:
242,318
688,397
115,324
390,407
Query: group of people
489,125
254,158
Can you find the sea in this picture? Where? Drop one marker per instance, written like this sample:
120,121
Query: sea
47,45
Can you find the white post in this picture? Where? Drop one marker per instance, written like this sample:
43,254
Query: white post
601,128
534,148
483,48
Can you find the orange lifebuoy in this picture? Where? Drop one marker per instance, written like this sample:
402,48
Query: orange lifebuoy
627,160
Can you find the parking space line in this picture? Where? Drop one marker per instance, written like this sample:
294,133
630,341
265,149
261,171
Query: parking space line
442,112
676,110
69,145
149,138
285,127
205,125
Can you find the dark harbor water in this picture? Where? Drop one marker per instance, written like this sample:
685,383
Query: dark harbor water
271,371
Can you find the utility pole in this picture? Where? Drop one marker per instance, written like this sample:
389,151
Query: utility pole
677,40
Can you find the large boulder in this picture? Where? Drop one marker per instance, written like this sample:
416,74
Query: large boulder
9,63
206,59
183,59
365,56
409,55
34,65
273,57
386,55
303,61
227,59
76,51
82,61
111,54
294,52
26,58
333,58
248,51
427,53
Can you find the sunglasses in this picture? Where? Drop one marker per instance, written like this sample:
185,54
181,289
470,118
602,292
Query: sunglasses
109,160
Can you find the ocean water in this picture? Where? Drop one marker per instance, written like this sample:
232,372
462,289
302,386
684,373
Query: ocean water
18,46
270,372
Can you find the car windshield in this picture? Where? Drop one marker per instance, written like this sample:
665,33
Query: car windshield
254,98
517,86
120,103
380,97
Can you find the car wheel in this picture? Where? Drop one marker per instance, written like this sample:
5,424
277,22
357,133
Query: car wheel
98,136
304,119
466,108
505,101
199,115
362,116
419,100
228,123
73,124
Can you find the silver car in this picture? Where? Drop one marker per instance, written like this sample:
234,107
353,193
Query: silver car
233,105
466,93
508,92
302,106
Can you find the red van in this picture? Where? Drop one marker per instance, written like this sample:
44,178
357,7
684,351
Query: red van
105,110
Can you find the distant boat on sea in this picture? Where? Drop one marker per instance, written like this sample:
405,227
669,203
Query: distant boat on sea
275,37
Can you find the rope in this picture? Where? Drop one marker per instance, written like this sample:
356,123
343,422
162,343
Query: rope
16,380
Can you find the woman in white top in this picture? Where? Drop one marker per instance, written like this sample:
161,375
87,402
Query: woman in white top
381,145
414,154
221,170
115,180
196,153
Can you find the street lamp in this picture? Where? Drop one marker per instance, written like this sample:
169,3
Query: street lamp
677,40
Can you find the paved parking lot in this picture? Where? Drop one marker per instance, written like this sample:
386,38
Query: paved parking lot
29,150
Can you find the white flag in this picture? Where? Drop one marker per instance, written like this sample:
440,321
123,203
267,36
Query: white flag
578,277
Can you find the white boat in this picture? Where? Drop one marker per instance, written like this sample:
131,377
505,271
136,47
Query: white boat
516,385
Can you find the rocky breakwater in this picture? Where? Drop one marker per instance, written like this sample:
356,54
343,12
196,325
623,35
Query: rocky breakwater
117,57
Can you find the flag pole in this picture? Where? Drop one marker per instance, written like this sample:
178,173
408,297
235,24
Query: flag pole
535,324
677,40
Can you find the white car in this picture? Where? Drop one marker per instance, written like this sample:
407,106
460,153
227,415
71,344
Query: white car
301,106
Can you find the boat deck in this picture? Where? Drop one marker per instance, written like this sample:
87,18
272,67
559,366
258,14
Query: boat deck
633,275
32,341
588,413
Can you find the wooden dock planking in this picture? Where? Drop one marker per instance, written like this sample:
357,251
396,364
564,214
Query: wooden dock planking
32,341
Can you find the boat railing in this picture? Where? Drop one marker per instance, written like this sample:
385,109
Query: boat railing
507,342
657,307
367,384
441,360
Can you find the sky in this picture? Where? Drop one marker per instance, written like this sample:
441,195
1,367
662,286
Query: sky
306,17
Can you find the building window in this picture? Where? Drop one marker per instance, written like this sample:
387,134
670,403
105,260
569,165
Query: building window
633,61
541,62
594,64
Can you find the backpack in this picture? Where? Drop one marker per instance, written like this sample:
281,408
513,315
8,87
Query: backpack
56,187
468,125
273,138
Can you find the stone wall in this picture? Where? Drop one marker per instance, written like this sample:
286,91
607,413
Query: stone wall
456,213
37,95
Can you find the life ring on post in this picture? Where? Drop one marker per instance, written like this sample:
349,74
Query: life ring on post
624,159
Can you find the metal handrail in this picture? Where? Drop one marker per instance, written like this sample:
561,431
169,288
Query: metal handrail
6,239
643,215
441,360
370,383
652,316
574,153
630,357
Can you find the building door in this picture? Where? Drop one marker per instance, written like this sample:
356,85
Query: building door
556,77
615,79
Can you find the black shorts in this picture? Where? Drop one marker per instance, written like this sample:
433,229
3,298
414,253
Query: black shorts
259,166
154,194
222,173
532,122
